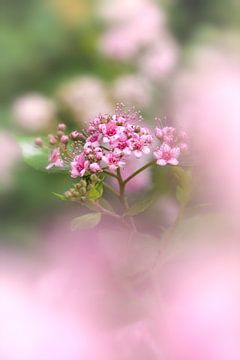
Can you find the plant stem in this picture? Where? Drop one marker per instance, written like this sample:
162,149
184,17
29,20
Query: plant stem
110,174
123,198
111,189
138,171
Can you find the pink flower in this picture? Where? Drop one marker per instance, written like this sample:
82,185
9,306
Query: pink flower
94,167
113,161
79,166
167,155
55,160
167,134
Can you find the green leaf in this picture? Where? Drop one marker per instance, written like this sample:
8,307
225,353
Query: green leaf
140,206
87,221
96,191
184,187
106,205
36,157
59,196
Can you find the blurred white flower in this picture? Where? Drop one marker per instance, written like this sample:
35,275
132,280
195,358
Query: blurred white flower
85,97
132,90
33,112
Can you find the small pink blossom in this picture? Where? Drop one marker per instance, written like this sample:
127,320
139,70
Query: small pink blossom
113,161
167,155
94,167
79,166
55,160
167,134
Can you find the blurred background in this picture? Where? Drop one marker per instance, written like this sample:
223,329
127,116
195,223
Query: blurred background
66,61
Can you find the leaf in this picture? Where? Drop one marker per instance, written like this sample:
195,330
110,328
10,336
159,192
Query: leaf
59,196
139,206
87,221
106,205
36,157
184,187
96,191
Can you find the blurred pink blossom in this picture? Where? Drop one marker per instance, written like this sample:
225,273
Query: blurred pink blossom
10,155
123,40
34,112
160,59
85,97
132,90
206,102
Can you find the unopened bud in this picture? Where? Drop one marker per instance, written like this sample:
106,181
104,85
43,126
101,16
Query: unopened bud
39,142
94,178
60,133
75,135
68,194
64,139
82,191
61,127
52,139
83,183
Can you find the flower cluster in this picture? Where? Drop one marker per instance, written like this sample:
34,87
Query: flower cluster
109,142
172,144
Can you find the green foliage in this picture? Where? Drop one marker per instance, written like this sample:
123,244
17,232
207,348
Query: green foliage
96,191
140,206
36,157
59,196
87,221
184,187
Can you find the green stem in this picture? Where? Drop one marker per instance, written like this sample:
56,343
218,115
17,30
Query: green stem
123,198
106,212
109,188
110,174
138,171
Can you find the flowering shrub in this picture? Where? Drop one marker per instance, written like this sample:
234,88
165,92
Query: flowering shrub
103,150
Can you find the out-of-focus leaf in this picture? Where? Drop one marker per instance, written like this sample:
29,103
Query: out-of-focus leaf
36,157
59,196
106,205
87,221
96,192
184,187
140,206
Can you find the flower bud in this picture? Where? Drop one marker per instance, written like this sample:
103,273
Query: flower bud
75,135
60,133
83,183
93,178
83,191
64,139
61,127
52,139
68,194
39,142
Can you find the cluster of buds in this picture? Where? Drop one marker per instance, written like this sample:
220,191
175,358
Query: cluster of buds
173,143
81,190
